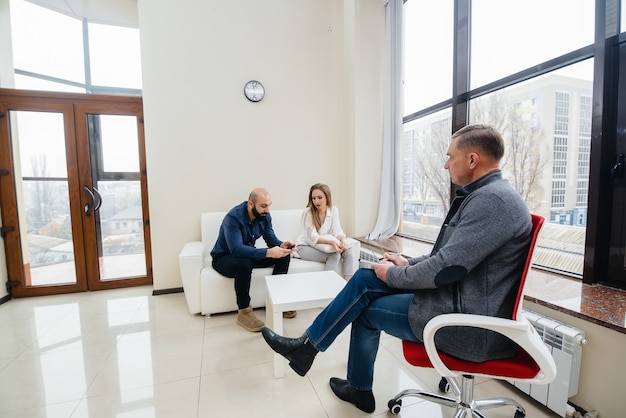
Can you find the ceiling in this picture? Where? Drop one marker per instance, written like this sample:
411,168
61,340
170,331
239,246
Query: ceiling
119,12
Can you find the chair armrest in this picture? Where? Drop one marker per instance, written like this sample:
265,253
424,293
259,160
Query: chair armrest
191,262
520,331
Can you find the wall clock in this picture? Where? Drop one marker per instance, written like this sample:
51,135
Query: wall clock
254,91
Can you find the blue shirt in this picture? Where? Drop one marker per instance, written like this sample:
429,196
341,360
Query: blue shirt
238,235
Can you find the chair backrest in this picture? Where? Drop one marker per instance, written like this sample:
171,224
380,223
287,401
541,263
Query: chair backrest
537,224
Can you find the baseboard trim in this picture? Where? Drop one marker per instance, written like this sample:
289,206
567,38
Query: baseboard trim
167,291
5,299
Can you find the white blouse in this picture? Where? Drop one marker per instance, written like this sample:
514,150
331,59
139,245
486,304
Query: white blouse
331,226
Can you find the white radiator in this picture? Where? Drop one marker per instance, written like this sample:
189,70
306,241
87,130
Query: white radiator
565,343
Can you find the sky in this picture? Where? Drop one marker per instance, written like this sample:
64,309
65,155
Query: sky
510,36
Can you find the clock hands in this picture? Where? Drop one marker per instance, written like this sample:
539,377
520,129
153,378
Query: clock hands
254,91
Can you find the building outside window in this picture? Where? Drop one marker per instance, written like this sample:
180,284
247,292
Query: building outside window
545,119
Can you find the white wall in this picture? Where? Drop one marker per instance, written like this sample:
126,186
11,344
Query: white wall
321,62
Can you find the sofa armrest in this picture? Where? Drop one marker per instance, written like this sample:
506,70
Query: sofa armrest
191,263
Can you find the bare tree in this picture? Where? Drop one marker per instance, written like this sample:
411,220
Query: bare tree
524,159
490,110
43,194
429,159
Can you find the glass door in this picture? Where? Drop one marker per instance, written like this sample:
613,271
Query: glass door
114,191
73,191
42,190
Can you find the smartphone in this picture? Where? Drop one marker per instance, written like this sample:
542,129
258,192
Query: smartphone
290,246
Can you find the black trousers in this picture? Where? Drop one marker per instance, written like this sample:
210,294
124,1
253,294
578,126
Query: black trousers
241,270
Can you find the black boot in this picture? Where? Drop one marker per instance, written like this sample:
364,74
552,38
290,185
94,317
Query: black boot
299,351
362,399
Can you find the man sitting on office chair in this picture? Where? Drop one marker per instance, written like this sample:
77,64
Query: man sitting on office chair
475,267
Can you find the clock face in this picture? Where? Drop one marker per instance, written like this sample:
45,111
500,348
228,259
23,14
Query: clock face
254,91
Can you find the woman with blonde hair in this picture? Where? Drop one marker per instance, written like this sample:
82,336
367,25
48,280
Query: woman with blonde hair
322,238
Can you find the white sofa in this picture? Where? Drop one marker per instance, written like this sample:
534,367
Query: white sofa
208,292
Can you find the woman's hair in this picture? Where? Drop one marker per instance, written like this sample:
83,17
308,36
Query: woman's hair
482,137
329,202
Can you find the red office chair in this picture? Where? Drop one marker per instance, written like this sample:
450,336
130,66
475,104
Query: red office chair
533,362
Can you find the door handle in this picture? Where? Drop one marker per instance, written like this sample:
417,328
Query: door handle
99,197
89,205
618,169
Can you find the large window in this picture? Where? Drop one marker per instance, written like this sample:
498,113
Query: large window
428,55
510,36
55,52
530,74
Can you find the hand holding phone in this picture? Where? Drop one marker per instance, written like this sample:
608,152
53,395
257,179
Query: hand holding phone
290,246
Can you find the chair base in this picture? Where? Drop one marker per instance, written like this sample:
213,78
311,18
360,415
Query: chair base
463,399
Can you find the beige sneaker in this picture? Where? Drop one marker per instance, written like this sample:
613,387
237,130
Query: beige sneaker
247,319
290,314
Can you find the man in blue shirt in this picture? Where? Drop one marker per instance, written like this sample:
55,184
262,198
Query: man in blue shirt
234,254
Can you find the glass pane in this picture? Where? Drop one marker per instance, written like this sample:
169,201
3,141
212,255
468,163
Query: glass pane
120,146
121,227
115,56
43,198
42,144
47,42
32,83
546,125
509,36
426,184
428,47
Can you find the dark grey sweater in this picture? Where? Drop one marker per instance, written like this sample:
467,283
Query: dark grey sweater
475,267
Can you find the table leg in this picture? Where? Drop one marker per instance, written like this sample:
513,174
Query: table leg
274,320
279,361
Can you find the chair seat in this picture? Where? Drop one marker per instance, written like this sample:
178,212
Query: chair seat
537,367
521,366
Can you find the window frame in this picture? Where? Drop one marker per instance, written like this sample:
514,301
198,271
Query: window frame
606,33
88,85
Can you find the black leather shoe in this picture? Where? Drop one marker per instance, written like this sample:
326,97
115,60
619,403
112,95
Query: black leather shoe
299,351
362,399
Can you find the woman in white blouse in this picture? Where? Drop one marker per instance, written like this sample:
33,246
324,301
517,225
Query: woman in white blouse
322,238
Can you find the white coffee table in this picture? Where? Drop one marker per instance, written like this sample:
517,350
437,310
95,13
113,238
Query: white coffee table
297,291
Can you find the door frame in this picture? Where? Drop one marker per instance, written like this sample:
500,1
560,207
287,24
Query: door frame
73,106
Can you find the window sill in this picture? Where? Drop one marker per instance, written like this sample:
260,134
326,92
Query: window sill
599,304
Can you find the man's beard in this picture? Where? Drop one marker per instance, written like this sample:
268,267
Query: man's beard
257,215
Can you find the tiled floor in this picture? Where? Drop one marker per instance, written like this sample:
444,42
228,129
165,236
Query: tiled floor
125,353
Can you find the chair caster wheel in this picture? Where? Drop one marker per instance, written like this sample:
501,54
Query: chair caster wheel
519,414
394,406
444,386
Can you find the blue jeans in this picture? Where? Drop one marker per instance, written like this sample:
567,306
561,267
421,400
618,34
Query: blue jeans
371,307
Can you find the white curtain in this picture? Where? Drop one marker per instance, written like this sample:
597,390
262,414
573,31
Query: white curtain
390,205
